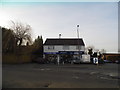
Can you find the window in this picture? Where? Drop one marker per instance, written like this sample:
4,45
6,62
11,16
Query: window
65,47
50,47
78,47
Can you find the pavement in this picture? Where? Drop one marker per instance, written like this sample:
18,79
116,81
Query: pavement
35,75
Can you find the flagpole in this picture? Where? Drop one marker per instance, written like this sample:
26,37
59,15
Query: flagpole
78,40
78,36
78,31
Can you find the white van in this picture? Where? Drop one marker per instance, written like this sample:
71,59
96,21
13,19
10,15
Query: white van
85,59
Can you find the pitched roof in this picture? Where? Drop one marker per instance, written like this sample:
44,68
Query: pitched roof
64,41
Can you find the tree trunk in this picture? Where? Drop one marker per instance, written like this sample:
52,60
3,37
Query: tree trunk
20,41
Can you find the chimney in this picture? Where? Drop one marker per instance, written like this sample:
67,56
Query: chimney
59,36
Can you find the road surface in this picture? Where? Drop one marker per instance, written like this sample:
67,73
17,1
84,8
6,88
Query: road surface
35,75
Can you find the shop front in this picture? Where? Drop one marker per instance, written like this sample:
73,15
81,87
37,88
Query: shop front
63,56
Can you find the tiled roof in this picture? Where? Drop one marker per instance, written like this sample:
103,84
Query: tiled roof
64,41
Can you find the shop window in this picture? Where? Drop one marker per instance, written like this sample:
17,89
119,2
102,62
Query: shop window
50,47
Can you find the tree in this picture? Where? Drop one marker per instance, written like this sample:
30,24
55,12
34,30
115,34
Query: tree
21,32
8,40
38,47
89,50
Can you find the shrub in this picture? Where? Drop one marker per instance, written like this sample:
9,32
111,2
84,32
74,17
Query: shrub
15,59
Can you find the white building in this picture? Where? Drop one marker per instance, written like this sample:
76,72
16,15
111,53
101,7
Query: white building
66,48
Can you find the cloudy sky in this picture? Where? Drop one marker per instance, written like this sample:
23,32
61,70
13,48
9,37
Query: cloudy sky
98,20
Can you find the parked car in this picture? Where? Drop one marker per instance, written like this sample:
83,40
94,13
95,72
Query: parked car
107,61
85,59
75,61
40,60
117,61
101,61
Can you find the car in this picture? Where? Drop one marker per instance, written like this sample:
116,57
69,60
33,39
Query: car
107,61
117,61
85,59
101,61
40,60
76,61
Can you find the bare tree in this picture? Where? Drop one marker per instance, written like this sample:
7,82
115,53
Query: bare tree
93,51
89,48
21,32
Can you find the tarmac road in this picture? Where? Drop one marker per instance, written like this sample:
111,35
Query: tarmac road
63,76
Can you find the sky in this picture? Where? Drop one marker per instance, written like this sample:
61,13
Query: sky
98,21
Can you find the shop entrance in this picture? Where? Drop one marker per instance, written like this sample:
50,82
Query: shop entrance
66,58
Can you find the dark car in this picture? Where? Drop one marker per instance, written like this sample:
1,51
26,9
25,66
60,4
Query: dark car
101,61
117,61
107,61
40,60
75,61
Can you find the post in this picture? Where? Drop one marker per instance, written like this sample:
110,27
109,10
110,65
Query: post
58,59
78,40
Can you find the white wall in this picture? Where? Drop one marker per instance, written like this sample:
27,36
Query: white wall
60,48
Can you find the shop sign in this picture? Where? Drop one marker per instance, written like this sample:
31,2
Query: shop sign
50,52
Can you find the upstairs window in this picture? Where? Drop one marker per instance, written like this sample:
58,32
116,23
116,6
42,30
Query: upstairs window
65,47
78,47
50,47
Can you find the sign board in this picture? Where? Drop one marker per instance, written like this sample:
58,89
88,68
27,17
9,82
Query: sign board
65,52
71,52
51,53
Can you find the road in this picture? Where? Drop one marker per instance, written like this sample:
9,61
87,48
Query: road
60,76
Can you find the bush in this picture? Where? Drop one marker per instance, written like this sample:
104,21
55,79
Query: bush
15,59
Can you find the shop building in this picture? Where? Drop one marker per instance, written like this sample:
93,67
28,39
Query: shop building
63,48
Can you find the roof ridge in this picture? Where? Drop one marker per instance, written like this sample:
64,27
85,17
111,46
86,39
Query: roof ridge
64,41
64,38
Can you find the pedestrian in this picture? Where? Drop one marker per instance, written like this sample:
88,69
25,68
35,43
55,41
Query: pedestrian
58,60
63,62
